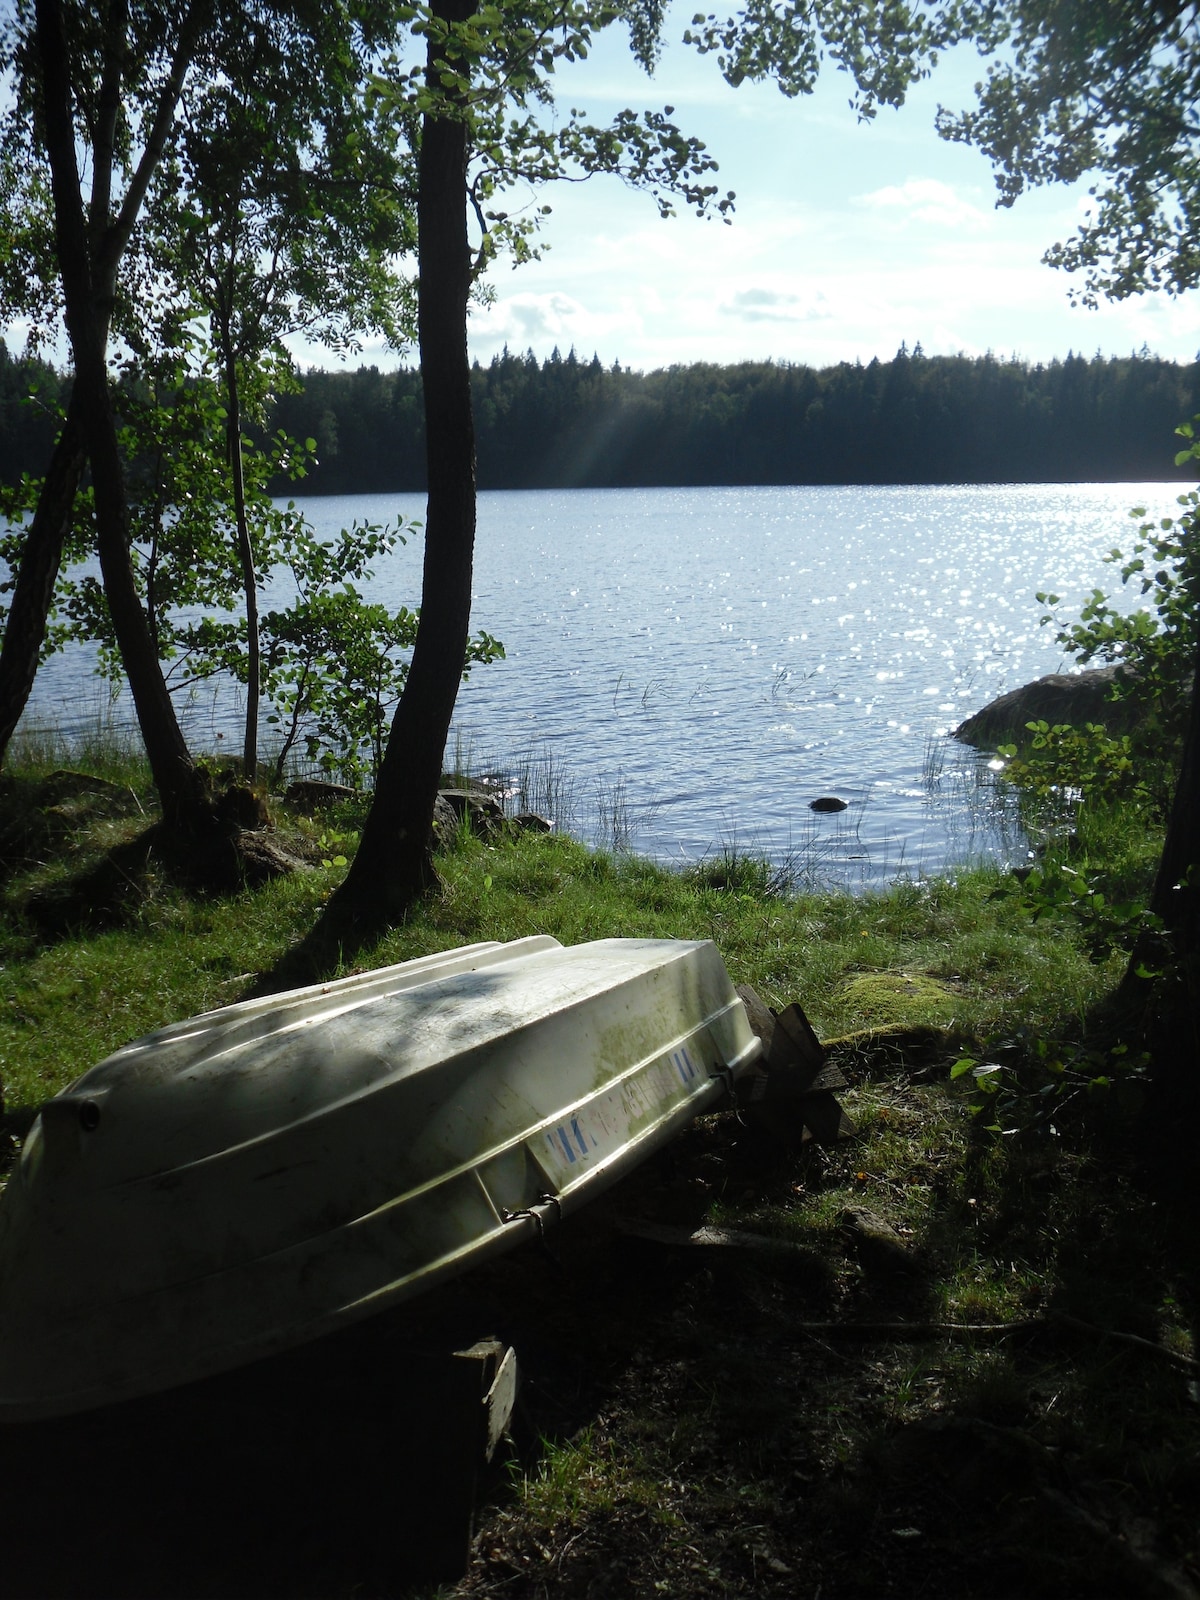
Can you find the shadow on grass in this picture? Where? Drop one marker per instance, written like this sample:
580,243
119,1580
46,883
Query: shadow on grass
74,851
702,1422
316,1473
694,1420
78,853
758,1436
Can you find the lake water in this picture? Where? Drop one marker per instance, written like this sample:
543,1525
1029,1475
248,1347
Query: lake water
688,668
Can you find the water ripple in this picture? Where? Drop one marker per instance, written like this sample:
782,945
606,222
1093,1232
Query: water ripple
717,658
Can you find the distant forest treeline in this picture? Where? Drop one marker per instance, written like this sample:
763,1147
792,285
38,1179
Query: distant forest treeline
566,423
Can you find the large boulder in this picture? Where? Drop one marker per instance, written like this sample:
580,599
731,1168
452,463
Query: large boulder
1074,698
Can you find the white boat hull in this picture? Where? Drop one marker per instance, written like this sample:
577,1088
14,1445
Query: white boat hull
260,1175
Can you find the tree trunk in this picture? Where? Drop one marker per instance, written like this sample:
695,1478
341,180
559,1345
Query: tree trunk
86,294
1159,995
245,545
33,592
394,863
1167,1000
106,238
1176,897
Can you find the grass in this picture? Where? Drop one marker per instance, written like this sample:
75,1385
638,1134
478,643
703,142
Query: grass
689,1429
851,962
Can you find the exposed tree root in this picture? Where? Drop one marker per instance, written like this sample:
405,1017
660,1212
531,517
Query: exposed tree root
1051,1321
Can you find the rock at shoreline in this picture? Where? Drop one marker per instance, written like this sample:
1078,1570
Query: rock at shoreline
482,811
1073,698
532,822
314,794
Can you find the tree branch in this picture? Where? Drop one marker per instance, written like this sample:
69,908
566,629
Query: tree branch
191,29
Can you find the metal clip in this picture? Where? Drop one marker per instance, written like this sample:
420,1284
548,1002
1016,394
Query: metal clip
540,1211
726,1076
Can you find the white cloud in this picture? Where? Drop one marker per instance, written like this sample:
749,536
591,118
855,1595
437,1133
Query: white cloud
806,273
769,305
532,316
925,200
538,321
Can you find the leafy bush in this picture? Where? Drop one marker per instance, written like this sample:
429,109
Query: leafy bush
1154,645
332,665
1065,763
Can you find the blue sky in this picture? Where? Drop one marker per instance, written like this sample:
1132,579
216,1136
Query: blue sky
847,239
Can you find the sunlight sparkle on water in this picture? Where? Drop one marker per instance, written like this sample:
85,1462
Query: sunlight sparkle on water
743,585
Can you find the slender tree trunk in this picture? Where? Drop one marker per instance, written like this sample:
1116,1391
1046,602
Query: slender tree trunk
394,863
86,291
33,592
245,545
1176,897
1160,992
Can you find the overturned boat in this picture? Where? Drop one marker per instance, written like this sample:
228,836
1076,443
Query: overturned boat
260,1175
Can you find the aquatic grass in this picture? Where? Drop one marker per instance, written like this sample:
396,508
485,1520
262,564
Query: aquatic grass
976,809
539,782
820,853
458,767
100,743
733,870
613,819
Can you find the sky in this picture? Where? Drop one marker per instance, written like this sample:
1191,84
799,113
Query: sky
847,239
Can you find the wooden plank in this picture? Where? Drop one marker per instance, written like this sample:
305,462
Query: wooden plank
791,1099
500,1401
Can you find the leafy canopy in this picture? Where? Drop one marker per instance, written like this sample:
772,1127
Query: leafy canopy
1109,87
495,72
884,45
1072,88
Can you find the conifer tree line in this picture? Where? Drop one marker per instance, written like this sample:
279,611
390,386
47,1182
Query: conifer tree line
567,423
32,396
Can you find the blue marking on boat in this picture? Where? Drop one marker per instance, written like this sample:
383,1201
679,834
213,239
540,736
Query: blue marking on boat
579,1139
683,1065
566,1146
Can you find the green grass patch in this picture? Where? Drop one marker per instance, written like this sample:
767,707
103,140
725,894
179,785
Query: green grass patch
945,952
696,1437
